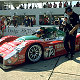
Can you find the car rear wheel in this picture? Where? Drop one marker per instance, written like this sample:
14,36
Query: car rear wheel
34,53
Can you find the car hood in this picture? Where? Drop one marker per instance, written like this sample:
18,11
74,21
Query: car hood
7,47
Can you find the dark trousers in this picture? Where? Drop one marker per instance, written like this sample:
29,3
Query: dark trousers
70,48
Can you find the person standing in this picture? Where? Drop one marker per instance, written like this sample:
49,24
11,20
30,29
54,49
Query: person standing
31,22
14,22
26,21
71,28
8,22
60,4
2,26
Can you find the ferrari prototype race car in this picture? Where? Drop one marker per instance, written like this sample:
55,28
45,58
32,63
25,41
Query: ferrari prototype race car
45,43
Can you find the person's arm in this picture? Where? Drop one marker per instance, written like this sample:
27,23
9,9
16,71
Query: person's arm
75,28
8,24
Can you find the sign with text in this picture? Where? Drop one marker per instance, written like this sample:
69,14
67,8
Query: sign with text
20,31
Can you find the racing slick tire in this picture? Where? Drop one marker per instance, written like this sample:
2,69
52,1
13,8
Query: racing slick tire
34,53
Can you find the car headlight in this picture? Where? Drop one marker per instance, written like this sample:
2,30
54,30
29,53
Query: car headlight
15,56
9,61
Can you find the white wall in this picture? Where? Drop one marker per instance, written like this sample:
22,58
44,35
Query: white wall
41,11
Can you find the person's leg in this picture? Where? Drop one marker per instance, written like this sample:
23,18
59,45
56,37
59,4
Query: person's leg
66,45
72,45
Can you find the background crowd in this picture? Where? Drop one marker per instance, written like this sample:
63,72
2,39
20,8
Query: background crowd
28,21
37,5
44,19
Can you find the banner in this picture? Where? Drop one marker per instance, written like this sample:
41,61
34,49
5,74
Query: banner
20,31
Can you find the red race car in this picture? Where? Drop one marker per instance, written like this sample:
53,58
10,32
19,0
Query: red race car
45,43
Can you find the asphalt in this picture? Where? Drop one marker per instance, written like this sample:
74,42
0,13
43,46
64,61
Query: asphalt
59,68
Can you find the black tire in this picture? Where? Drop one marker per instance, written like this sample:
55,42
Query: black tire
34,53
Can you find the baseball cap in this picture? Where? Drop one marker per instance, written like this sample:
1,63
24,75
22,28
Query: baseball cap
68,9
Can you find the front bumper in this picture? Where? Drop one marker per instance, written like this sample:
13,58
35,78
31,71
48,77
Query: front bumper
5,65
2,64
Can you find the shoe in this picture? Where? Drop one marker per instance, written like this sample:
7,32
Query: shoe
71,58
67,55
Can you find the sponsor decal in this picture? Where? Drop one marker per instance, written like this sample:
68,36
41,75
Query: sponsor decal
59,47
49,51
22,56
21,61
11,44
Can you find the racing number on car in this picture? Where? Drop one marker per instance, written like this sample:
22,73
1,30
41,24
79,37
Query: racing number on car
51,51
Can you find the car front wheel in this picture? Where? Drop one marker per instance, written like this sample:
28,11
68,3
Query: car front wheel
34,53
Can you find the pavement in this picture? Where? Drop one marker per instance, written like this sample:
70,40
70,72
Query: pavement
59,68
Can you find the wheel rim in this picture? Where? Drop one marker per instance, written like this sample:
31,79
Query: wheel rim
34,53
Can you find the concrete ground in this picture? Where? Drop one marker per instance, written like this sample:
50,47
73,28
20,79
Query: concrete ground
59,68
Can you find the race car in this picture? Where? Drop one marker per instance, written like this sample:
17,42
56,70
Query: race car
45,43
